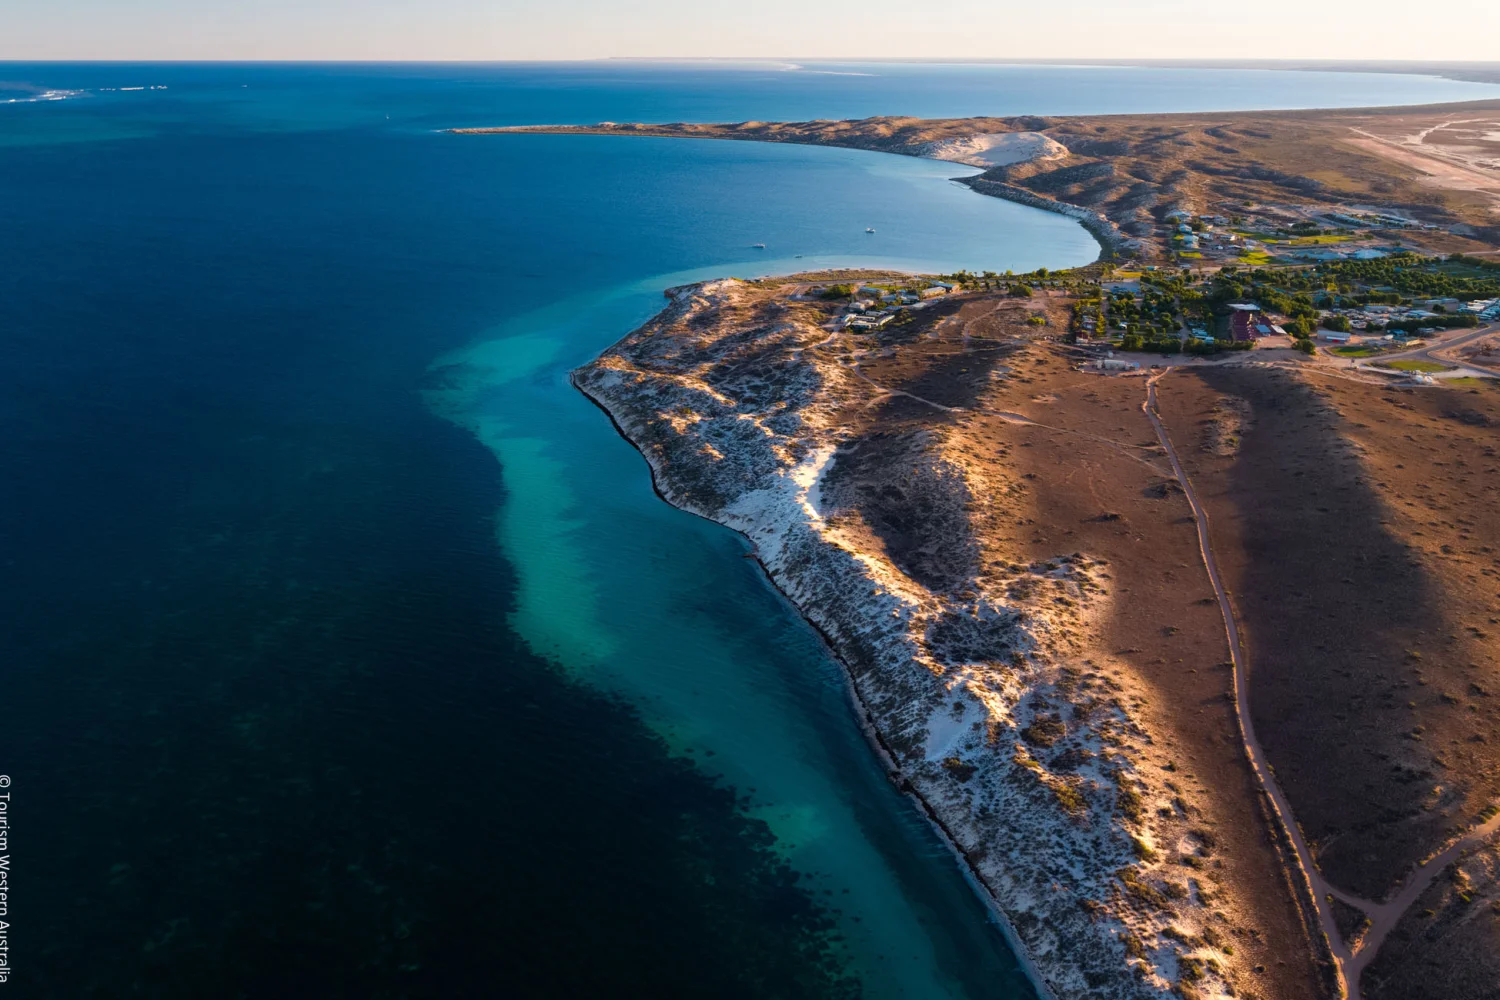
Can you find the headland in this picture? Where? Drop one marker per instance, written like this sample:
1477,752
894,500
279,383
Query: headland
1026,548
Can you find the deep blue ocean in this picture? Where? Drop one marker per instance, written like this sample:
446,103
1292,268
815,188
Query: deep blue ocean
345,650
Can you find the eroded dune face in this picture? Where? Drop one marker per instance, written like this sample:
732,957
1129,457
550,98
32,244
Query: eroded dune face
997,150
883,482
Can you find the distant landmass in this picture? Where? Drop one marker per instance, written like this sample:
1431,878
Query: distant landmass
1248,760
1137,180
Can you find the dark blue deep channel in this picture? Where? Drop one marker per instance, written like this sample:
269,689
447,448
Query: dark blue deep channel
344,649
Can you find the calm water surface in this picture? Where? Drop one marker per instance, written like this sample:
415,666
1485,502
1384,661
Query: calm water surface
348,651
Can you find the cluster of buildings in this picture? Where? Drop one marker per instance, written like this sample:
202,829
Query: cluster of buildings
1376,317
875,307
1209,235
1372,318
1486,309
864,324
1100,358
1207,238
1182,216
1375,219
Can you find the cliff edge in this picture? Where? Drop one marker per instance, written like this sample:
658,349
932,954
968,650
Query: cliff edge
881,477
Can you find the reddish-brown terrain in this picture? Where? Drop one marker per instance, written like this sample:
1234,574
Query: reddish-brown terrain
965,510
1357,525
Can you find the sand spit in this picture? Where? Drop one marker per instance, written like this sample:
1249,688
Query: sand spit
982,680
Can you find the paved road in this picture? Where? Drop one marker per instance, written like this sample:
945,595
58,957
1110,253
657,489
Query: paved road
1383,916
1428,353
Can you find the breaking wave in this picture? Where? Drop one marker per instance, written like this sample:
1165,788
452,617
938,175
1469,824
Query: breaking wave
30,95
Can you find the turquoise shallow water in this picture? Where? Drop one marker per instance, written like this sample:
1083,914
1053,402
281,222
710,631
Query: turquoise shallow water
661,607
422,706
629,594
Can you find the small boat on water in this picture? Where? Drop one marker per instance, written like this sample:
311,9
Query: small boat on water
757,246
869,229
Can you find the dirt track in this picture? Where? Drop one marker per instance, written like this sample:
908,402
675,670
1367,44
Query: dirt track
1383,916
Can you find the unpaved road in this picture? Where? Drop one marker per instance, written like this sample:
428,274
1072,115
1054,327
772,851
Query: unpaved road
1384,915
1441,167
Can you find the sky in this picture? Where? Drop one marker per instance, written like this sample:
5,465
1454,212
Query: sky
592,29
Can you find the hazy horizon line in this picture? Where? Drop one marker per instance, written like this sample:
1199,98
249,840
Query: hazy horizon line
913,60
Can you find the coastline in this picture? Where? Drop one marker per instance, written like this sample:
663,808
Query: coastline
1113,243
1076,849
863,715
1133,179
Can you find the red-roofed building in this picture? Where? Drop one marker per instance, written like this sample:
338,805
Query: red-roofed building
1243,322
1240,327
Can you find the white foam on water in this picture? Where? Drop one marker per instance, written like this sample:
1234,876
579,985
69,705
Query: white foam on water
44,96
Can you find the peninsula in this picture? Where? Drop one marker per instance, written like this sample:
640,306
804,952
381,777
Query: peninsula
1425,177
1194,668
1191,655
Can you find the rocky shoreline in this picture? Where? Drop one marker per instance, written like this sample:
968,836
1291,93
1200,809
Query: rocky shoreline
986,693
864,718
